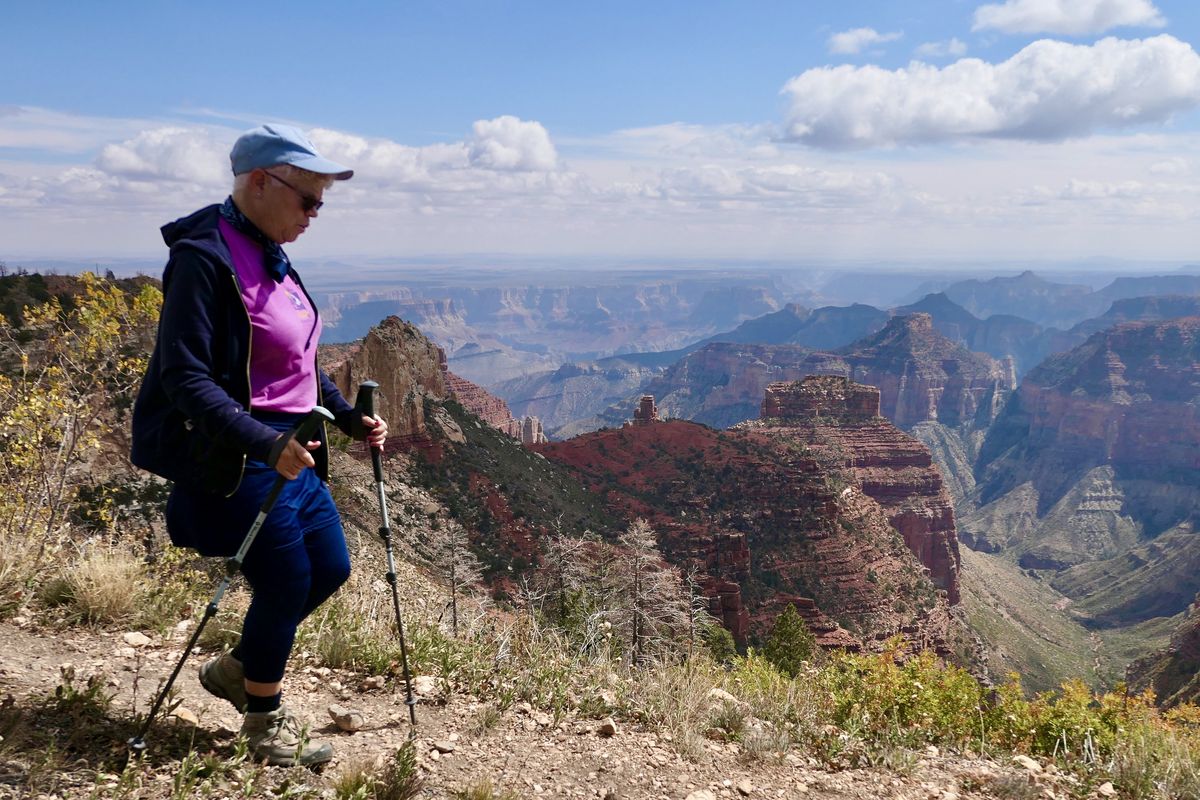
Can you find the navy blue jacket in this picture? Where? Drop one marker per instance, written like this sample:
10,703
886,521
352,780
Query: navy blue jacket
191,420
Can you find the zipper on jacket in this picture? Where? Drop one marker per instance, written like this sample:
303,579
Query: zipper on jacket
249,391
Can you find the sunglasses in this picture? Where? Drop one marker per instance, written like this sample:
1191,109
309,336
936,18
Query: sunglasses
307,201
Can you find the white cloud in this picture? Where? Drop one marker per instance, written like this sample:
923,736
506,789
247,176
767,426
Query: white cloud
951,47
1048,91
54,131
858,39
679,139
674,190
779,188
508,143
1171,166
1069,17
175,154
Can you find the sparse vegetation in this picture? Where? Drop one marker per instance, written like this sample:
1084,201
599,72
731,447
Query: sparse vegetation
607,629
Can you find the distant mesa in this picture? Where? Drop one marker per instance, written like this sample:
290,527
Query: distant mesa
830,396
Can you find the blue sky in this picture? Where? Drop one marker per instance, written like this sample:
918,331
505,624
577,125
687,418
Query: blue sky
935,131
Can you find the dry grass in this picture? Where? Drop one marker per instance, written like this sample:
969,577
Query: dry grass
100,586
18,566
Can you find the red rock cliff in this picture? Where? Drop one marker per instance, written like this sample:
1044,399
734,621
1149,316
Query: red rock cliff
840,419
489,408
1127,397
766,524
402,361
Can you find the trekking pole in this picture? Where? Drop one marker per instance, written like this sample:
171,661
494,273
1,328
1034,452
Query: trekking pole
366,404
301,433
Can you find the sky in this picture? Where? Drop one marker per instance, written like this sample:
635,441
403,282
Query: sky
935,131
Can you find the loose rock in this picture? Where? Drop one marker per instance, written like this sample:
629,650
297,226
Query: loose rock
186,714
346,719
1028,764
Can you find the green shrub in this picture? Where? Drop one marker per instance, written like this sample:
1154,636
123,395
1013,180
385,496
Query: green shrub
791,644
719,642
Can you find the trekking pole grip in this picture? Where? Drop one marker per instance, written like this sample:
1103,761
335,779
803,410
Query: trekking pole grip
301,433
365,403
308,425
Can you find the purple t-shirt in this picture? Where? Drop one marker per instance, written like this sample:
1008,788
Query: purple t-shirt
284,331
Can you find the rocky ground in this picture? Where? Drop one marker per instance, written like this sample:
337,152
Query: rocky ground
460,743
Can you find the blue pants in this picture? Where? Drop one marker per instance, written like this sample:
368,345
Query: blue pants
297,561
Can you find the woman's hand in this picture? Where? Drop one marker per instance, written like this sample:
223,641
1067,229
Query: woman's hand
295,458
377,431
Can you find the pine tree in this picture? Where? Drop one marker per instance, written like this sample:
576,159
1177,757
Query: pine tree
791,643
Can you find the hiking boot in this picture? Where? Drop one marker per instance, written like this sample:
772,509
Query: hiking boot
276,737
223,677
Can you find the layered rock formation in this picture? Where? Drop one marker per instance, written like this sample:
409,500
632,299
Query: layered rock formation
769,522
574,391
646,412
1173,673
1092,470
1126,398
840,419
922,376
489,408
409,368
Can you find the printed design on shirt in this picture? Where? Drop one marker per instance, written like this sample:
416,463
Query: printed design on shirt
298,303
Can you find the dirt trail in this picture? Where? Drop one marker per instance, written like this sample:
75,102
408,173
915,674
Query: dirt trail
524,751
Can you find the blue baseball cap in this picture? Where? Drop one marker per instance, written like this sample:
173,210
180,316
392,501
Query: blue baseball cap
270,145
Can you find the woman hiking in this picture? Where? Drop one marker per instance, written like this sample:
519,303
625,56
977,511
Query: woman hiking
234,368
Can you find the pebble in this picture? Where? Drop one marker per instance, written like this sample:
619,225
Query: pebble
1106,789
186,714
373,682
136,639
444,746
346,719
607,727
744,787
702,794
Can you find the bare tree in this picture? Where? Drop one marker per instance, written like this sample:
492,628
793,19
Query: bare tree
563,570
451,557
650,605
696,608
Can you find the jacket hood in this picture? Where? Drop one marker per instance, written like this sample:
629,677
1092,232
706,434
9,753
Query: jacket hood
198,229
